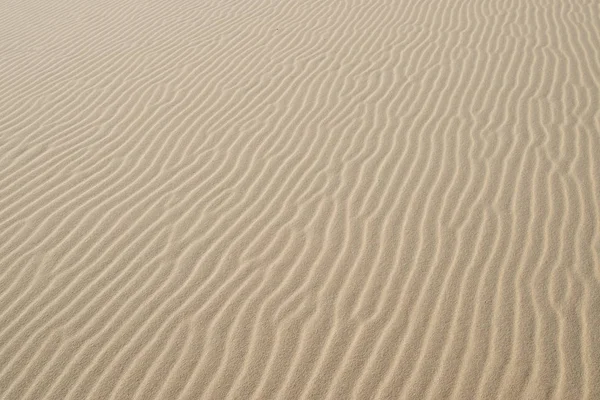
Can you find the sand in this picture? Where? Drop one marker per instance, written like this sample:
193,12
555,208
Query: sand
253,199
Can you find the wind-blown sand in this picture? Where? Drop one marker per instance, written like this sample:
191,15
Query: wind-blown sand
255,199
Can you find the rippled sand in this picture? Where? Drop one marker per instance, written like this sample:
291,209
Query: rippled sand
315,199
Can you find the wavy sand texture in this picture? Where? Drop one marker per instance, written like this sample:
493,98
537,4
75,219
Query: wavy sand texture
259,199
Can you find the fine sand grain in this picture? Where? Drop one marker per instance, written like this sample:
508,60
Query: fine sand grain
313,199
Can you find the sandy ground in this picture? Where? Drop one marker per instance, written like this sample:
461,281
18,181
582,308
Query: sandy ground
259,199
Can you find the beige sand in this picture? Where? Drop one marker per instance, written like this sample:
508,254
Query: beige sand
260,199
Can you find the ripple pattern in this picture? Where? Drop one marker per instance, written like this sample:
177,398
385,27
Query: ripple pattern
263,199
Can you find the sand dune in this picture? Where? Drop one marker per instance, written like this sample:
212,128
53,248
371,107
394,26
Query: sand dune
309,199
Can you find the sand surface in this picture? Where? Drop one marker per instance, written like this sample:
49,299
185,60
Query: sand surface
314,199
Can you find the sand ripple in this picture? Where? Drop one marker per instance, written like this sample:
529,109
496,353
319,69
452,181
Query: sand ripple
257,199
